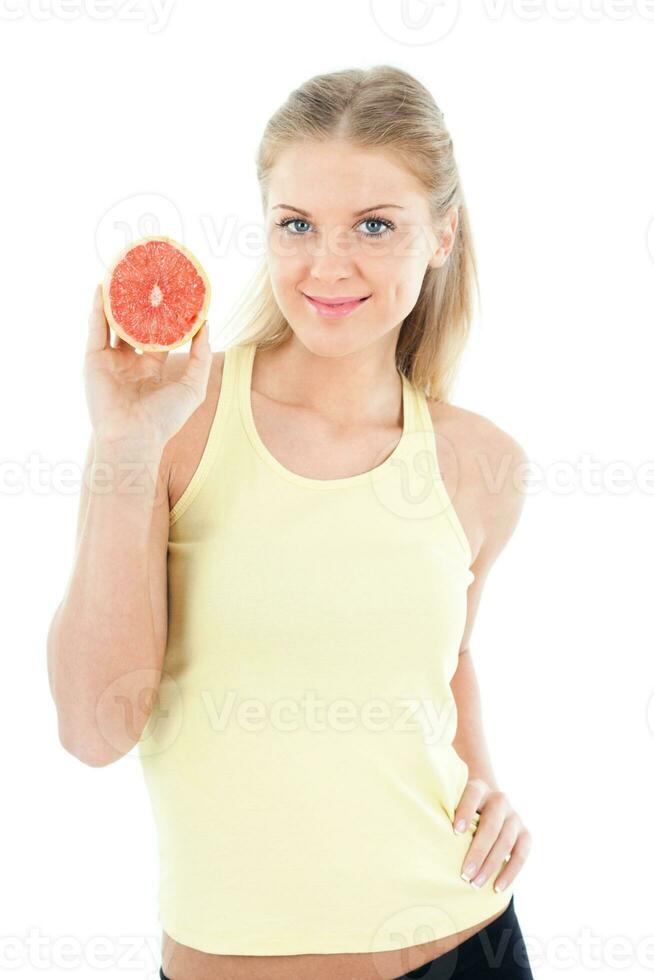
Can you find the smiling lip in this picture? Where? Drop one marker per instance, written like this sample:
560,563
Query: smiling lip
335,307
335,300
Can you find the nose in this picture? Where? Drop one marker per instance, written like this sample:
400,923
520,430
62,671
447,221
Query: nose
332,257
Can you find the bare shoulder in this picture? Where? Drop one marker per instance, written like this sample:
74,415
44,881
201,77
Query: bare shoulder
483,467
183,452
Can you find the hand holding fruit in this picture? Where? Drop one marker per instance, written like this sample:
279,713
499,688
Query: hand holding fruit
127,396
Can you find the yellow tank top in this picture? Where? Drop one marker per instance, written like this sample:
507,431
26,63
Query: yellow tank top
299,759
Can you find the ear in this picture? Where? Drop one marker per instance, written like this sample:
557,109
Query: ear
446,235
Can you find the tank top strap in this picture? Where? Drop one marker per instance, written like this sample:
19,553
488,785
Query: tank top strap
235,384
229,380
243,358
415,408
426,440
420,414
223,413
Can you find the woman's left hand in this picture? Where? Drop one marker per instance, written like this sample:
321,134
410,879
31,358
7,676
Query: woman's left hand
500,835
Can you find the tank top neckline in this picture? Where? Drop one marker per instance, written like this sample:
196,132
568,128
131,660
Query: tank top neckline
244,373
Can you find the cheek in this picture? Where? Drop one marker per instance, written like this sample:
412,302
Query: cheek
411,286
286,296
282,250
286,265
400,283
284,279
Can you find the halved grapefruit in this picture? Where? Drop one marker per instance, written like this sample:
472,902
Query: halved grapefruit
156,294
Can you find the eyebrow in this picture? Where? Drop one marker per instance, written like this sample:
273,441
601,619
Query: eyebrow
376,207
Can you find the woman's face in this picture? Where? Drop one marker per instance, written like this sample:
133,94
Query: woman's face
347,222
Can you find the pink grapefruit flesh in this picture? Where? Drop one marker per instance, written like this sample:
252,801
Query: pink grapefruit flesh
156,294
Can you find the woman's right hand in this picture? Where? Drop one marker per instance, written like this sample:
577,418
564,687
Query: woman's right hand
126,396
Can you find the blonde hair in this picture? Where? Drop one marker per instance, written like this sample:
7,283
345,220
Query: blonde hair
380,108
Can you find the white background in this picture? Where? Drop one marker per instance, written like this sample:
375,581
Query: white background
113,112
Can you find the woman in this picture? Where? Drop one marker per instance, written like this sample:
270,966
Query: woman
296,589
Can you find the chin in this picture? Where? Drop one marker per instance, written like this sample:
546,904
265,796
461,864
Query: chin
324,343
332,340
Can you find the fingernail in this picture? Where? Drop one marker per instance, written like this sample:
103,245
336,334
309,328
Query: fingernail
499,886
468,872
478,882
460,826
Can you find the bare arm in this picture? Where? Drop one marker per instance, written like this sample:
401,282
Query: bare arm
106,642
500,510
107,638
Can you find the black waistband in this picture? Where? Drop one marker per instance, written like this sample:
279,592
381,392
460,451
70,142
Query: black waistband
487,950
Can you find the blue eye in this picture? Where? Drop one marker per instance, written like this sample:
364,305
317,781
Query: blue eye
286,223
290,221
378,221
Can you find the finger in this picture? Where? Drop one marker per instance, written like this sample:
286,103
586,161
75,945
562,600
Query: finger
198,367
516,860
503,845
155,357
98,334
488,830
119,343
471,799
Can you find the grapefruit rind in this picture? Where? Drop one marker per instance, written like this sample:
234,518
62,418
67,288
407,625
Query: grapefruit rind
201,317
